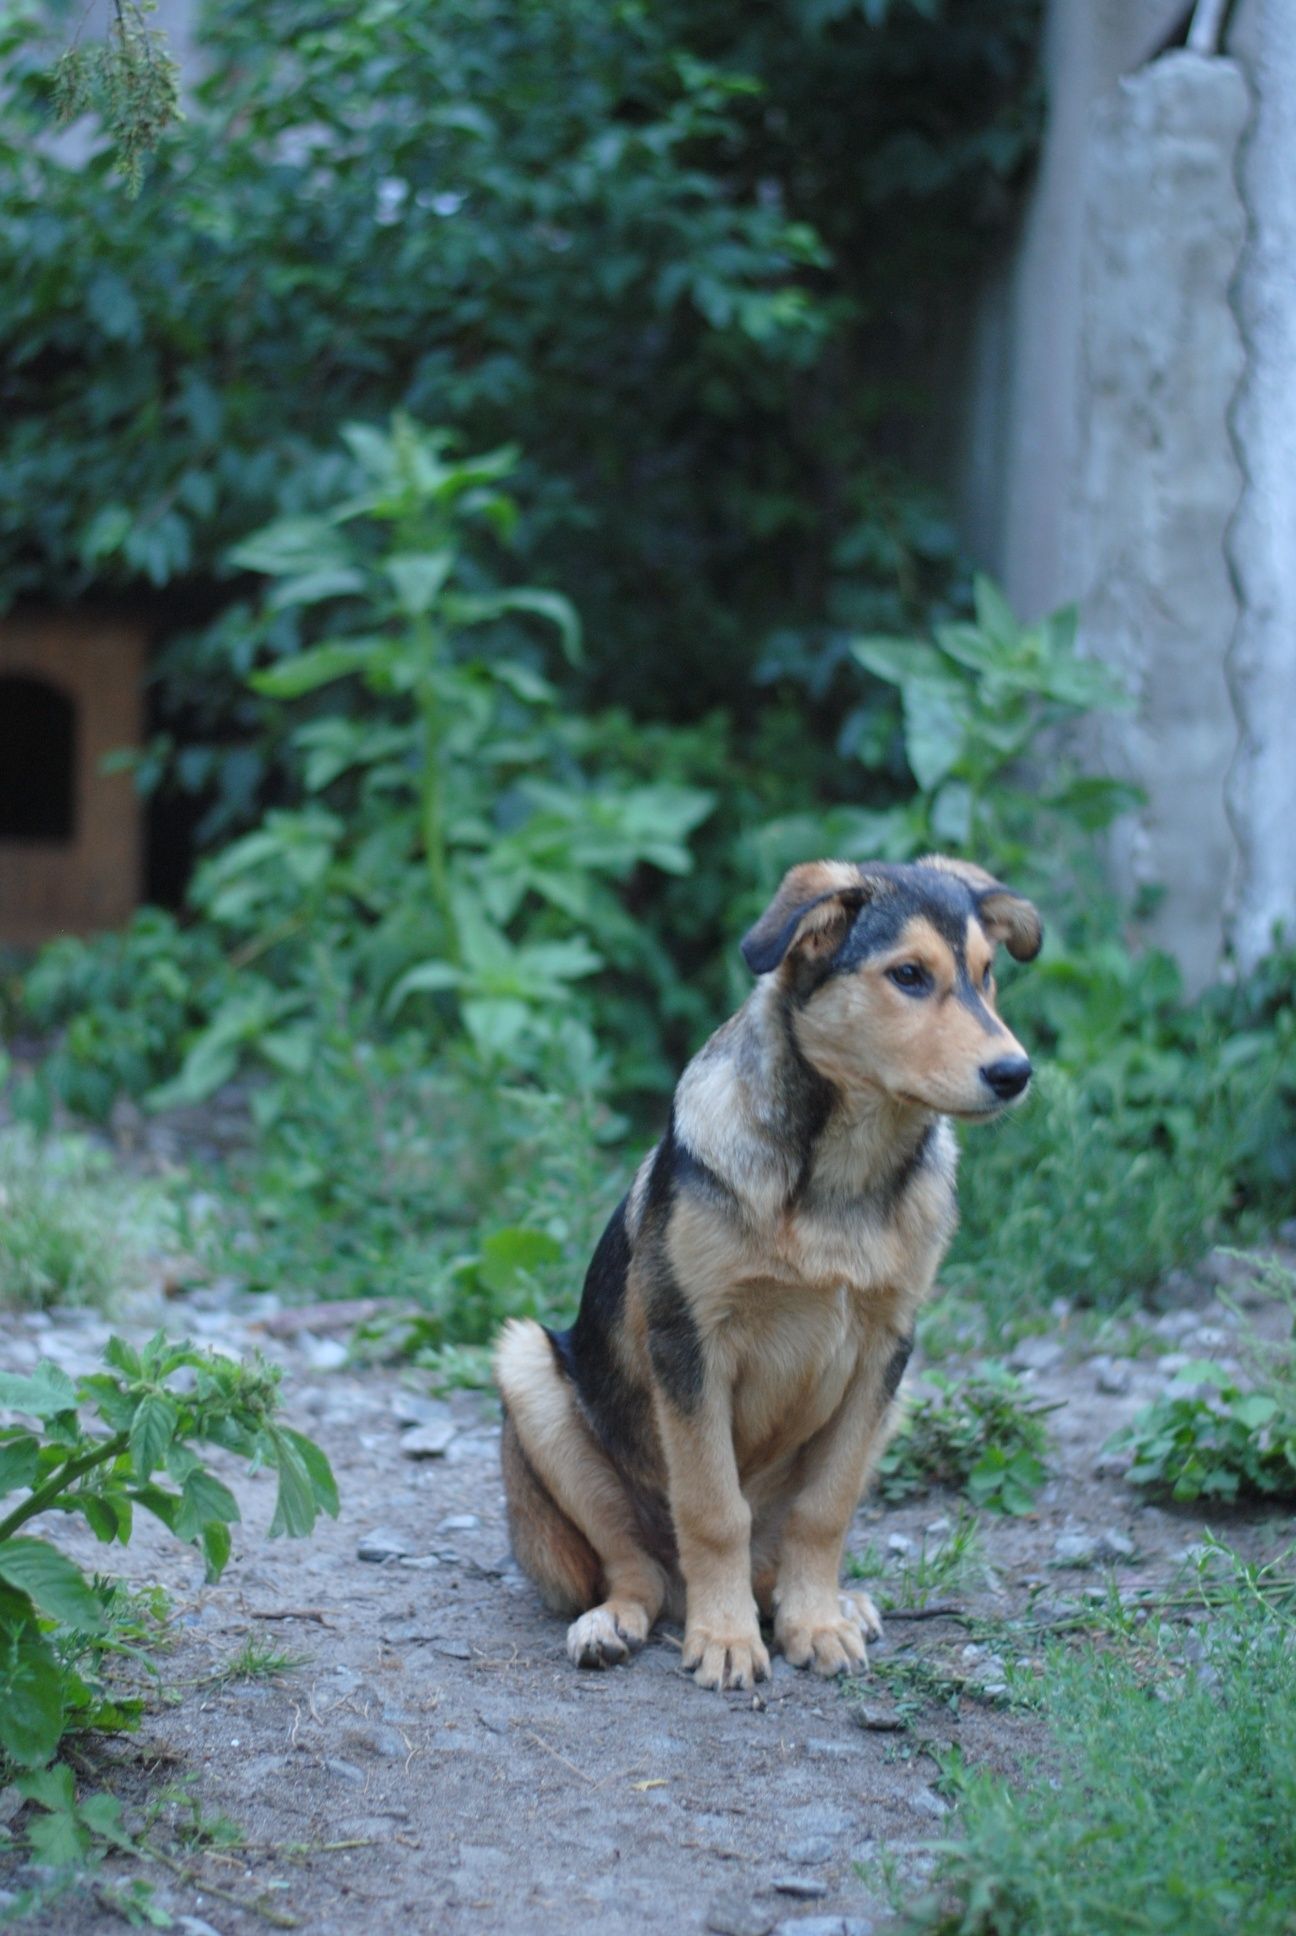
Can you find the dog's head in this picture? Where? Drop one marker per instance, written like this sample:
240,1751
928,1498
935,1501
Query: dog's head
887,974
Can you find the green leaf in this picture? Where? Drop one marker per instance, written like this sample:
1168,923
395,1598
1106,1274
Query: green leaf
216,1548
897,660
51,1580
31,1710
45,1394
203,1498
152,1430
318,1469
418,578
18,1462
308,671
935,723
513,1252
295,1507
428,978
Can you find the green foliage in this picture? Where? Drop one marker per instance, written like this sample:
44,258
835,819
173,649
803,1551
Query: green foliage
1153,1128
123,1437
652,244
978,701
978,1433
130,81
940,1566
1165,1805
69,1232
1218,1436
116,1012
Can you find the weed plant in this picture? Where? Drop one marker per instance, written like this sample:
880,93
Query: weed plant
978,1433
1217,1434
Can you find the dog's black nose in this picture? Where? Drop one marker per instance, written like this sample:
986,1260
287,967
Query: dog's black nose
1007,1077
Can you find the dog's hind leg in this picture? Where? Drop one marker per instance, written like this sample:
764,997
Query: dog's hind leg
571,1520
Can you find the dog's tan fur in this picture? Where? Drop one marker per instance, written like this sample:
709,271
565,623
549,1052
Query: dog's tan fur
701,1435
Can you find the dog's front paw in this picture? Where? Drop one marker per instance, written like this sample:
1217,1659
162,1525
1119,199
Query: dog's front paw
831,1639
607,1636
725,1660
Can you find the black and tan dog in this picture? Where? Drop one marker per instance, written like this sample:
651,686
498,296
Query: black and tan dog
703,1432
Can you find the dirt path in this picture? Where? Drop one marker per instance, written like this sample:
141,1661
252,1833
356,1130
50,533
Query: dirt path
439,1766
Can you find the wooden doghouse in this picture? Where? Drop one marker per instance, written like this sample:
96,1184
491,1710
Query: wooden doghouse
71,691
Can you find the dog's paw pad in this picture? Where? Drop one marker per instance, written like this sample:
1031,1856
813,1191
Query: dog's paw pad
606,1636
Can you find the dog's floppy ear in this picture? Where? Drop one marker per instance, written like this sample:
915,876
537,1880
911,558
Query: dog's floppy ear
814,906
1005,916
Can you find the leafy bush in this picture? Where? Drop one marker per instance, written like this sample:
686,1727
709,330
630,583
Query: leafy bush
647,242
977,1433
152,1408
1165,1804
116,1011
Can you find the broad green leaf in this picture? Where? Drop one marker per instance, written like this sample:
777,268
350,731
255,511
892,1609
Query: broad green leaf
50,1579
510,1253
45,1394
935,724
59,1839
31,1709
896,660
102,1815
18,1458
295,1508
318,1469
418,578
203,1498
151,1432
994,614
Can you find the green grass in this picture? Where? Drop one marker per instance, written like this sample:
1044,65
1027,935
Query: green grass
70,1230
1166,1802
978,1432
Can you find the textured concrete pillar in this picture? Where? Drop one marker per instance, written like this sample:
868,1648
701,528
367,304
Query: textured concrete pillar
1262,546
1157,482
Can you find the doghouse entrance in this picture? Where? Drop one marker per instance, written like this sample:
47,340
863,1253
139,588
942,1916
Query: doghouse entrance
37,761
70,835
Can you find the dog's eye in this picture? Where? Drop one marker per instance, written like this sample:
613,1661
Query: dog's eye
911,976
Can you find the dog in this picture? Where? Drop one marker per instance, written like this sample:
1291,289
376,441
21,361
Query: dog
698,1440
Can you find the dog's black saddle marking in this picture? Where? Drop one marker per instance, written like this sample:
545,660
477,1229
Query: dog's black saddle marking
895,1370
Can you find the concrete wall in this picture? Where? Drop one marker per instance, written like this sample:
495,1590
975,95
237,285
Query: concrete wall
1131,440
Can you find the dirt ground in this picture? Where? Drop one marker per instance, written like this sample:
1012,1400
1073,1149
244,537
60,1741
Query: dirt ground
433,1763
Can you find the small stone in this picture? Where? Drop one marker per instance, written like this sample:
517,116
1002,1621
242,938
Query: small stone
323,1354
899,1543
1114,1545
879,1720
928,1802
804,1888
1075,1549
346,1771
459,1523
939,1529
428,1441
418,1562
381,1544
1176,1324
1114,1376
414,1408
822,1750
825,1926
196,1926
732,1916
1036,1354
810,1850
1112,1465
10,1802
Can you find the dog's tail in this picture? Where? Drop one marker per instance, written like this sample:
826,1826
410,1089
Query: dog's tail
547,1545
